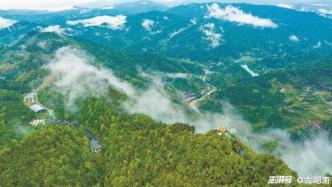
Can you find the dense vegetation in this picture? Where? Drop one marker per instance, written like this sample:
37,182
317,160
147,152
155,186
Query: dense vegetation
292,93
297,99
14,114
136,150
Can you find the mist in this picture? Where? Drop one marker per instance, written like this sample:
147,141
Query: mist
76,77
311,158
156,103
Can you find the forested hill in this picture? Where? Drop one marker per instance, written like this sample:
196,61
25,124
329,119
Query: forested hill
296,99
94,97
136,151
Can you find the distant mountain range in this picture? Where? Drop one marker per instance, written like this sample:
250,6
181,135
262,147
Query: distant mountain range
236,40
202,32
258,68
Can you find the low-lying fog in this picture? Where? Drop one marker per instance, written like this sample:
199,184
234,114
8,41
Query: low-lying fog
76,77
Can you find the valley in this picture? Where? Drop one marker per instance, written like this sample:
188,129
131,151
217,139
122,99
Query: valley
199,94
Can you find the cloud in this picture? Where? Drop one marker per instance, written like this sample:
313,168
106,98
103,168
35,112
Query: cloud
107,7
147,24
233,14
53,28
311,158
193,21
180,30
76,77
318,45
156,103
45,5
293,38
325,11
5,23
112,22
59,5
284,5
211,35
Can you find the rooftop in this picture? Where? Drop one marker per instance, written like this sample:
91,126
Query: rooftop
37,108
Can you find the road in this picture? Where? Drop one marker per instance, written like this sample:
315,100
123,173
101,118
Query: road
94,142
194,103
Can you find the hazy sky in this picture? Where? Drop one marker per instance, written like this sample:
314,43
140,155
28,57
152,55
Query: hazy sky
66,4
42,4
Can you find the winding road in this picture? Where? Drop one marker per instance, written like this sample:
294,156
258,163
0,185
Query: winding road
94,142
194,103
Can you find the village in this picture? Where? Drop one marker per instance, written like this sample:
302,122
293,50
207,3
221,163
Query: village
47,116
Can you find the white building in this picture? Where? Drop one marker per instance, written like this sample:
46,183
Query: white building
37,108
38,122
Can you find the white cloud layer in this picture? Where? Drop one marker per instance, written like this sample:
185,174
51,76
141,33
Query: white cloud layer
47,5
148,24
180,30
325,11
77,78
156,103
211,35
59,5
284,5
293,38
233,14
5,23
317,45
53,28
311,158
193,21
112,22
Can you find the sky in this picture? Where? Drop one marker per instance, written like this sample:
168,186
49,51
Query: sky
56,5
52,5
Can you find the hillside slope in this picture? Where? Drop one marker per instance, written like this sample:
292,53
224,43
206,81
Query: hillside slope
297,99
136,150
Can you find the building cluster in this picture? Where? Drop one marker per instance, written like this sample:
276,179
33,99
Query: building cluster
31,100
37,122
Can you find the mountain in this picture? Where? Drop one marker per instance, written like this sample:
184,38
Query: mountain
140,7
148,95
297,99
135,148
26,60
212,37
42,46
12,34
